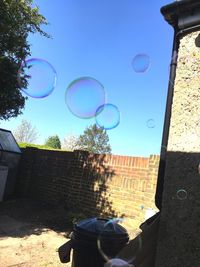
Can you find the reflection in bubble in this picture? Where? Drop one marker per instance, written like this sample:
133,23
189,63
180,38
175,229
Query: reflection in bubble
107,116
151,123
83,97
141,63
181,194
41,77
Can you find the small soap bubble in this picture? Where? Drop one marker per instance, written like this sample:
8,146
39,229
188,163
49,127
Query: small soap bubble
41,77
141,63
83,97
181,194
151,123
107,116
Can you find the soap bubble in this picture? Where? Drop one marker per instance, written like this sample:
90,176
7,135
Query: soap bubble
117,263
181,194
151,123
141,63
41,77
113,244
109,227
83,96
107,116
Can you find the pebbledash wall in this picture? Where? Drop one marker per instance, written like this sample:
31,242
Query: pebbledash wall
98,185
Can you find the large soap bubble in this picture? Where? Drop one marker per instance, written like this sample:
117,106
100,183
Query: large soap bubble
83,96
41,77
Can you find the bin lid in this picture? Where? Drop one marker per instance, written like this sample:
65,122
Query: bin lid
111,236
105,227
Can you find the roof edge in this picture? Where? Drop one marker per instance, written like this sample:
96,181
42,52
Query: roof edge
172,12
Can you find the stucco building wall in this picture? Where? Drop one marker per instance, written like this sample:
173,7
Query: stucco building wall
178,240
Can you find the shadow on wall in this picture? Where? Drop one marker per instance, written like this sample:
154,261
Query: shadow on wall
180,214
73,184
88,190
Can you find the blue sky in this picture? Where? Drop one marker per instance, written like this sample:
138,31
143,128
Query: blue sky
99,39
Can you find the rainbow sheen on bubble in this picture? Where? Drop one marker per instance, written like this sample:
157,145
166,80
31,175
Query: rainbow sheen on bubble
41,77
83,96
141,63
107,116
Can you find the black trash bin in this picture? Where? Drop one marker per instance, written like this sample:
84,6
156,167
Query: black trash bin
111,238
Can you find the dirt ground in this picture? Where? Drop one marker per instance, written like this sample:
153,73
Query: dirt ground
31,233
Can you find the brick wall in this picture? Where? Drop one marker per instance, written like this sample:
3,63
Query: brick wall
98,185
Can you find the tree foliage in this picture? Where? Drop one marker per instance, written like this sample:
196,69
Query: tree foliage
18,20
94,140
53,141
70,142
25,133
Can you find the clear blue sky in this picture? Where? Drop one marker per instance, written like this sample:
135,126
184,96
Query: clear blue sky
99,38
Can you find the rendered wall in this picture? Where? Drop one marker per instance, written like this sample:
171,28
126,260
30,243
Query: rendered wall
178,239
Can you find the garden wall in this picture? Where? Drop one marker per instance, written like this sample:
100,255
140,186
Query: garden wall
109,185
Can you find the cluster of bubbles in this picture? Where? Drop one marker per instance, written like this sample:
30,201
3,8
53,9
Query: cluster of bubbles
127,255
85,97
